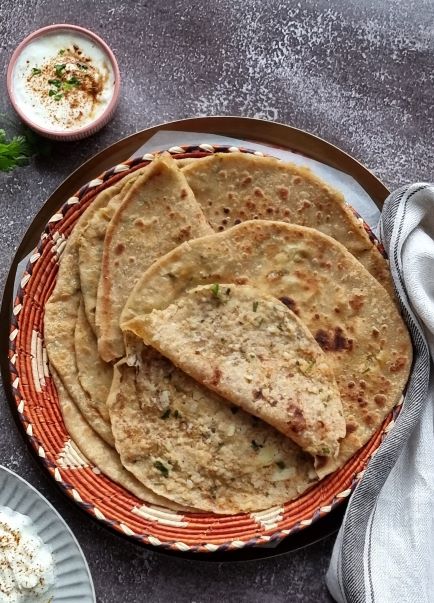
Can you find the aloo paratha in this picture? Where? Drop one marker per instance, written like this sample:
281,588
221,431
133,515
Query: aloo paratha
349,313
252,350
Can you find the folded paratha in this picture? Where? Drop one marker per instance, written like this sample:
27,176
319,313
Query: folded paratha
95,375
184,443
349,313
91,244
235,187
100,454
252,350
158,213
60,319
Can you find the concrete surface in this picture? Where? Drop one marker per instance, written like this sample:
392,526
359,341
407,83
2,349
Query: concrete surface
358,73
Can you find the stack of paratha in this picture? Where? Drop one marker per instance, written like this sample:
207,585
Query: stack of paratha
222,333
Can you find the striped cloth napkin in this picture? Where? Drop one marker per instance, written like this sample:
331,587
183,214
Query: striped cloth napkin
384,551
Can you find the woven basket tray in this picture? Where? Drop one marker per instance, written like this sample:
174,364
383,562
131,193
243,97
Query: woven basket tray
38,407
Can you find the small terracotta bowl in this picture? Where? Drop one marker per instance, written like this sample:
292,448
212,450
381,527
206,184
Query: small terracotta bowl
76,133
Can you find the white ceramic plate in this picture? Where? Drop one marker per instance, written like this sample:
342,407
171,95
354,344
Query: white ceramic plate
73,582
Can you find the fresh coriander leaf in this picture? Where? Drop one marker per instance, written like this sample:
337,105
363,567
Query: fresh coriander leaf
14,153
56,83
62,51
35,71
17,151
59,69
162,468
73,82
58,96
215,289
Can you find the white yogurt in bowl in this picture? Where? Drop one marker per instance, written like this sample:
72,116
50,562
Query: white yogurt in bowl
26,563
64,82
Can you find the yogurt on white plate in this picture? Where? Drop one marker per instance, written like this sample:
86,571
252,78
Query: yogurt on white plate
26,563
63,81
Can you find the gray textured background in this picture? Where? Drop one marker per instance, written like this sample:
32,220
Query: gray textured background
358,73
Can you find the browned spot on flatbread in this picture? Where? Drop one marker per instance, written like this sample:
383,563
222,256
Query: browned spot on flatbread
183,193
139,222
398,365
184,233
120,248
380,400
289,303
283,192
356,302
333,342
215,379
240,280
298,422
370,419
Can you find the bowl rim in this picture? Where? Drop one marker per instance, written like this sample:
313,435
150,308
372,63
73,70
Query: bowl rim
93,125
23,483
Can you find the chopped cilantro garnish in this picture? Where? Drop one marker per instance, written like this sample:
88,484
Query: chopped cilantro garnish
17,150
325,450
280,464
62,51
35,71
215,289
58,96
59,69
162,468
309,367
166,414
55,83
255,305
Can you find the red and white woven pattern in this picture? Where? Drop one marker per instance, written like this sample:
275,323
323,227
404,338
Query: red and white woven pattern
38,408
